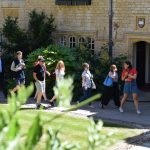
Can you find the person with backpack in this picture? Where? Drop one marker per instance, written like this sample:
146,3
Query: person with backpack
18,67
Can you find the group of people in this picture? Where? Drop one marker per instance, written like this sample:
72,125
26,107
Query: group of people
129,75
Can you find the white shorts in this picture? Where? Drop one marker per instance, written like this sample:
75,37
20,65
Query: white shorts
40,86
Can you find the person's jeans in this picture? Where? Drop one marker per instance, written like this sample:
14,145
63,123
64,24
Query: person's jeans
86,94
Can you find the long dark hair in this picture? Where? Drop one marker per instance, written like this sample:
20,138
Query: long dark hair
129,64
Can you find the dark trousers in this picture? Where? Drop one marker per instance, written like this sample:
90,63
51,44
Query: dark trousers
2,84
115,94
1,81
86,94
111,93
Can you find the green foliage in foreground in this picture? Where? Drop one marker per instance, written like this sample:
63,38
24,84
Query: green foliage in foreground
11,137
29,129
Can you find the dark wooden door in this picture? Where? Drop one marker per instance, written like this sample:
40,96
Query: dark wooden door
141,62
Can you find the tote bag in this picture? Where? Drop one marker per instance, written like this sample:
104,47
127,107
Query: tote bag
108,81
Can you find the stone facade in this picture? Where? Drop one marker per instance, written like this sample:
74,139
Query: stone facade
130,21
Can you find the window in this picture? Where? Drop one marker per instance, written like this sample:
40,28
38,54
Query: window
91,44
63,40
73,2
81,41
72,42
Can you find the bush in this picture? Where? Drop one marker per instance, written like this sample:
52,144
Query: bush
73,59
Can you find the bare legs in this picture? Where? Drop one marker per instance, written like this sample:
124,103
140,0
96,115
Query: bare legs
125,96
135,99
136,102
43,94
53,98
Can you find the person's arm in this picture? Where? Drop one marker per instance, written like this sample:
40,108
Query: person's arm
84,82
35,77
132,76
124,76
48,73
13,68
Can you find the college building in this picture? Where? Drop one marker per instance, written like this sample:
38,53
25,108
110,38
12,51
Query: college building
78,20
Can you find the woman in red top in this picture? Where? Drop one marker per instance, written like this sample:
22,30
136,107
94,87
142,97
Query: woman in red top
129,76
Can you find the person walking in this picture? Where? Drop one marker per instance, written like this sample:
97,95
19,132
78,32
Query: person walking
18,67
46,72
111,92
87,81
59,72
129,75
39,77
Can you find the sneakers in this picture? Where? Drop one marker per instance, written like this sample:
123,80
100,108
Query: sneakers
120,109
52,104
138,112
101,105
91,106
38,106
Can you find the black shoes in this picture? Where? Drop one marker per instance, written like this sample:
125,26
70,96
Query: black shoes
38,106
52,104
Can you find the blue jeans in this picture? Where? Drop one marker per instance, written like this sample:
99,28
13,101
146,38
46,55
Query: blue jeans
86,94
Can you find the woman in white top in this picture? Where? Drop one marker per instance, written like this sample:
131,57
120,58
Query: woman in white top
60,72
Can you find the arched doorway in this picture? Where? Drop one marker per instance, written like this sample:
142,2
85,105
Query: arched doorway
142,63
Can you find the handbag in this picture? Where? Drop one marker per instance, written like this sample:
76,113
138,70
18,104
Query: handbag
108,81
93,85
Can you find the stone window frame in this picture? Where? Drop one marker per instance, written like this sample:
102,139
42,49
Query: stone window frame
63,40
81,40
72,41
91,44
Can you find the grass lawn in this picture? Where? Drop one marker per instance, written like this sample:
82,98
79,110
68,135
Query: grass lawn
73,129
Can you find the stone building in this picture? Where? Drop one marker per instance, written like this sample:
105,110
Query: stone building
78,20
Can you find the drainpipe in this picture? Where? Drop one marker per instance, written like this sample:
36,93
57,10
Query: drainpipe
110,29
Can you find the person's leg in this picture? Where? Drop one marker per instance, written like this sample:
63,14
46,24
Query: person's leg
44,96
84,95
115,94
16,88
39,94
89,95
106,96
125,96
136,102
35,96
53,98
44,91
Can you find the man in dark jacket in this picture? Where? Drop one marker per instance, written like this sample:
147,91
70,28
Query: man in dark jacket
18,67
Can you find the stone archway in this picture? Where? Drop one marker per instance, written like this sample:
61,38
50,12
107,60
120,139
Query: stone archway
138,46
